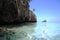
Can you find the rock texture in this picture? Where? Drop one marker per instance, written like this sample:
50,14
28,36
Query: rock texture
23,11
12,11
8,11
32,16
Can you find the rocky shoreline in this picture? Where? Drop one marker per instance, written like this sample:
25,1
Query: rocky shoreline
15,11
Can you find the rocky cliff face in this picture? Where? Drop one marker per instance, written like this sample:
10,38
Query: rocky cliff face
32,16
23,10
14,11
8,10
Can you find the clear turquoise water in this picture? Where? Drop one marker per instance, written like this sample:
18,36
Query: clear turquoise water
37,31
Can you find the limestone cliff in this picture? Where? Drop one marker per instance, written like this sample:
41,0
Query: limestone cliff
32,16
15,11
8,10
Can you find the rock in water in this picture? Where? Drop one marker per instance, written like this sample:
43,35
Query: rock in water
12,11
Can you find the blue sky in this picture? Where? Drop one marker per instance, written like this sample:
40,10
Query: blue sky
46,9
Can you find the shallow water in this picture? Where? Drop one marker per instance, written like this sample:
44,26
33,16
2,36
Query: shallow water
37,31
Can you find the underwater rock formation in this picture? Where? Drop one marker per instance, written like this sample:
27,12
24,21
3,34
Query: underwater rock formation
12,11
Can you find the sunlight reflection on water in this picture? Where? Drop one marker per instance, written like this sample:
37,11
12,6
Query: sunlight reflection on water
38,31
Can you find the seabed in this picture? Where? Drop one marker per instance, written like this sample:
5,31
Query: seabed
6,34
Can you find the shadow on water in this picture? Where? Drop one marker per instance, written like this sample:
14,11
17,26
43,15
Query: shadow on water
22,31
17,25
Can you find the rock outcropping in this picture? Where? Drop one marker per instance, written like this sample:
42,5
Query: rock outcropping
8,11
32,16
15,11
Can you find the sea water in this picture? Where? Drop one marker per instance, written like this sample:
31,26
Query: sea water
37,31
